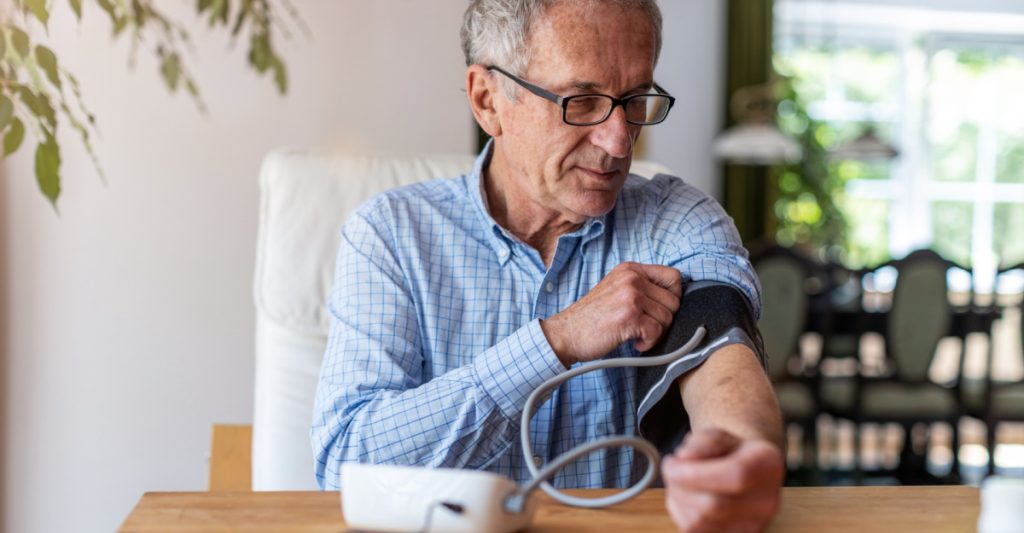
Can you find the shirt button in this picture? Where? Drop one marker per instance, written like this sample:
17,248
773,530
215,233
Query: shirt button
537,461
550,287
503,253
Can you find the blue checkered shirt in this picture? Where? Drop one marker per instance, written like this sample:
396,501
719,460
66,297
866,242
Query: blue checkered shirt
435,339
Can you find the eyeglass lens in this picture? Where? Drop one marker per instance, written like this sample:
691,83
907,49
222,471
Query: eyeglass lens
640,109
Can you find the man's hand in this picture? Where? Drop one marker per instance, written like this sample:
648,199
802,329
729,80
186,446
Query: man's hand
716,482
633,302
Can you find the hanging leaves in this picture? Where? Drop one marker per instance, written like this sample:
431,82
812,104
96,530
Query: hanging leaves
280,75
48,169
38,8
48,62
33,99
19,39
12,139
39,105
76,6
6,111
170,69
260,53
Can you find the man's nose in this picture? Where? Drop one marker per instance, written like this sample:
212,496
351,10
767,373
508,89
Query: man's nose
615,135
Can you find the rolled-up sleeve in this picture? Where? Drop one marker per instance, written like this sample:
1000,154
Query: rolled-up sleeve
694,234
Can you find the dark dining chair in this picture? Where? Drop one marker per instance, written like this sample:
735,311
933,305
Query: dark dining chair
1005,399
920,316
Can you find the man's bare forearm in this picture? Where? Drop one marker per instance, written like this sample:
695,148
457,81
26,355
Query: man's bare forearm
730,391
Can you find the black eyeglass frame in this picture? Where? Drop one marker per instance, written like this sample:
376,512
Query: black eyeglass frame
563,101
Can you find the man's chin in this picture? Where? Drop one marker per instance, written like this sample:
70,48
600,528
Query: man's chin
597,203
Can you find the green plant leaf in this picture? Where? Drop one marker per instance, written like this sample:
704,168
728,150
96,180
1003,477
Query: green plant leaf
139,13
225,12
47,111
120,23
280,75
109,8
259,52
48,168
243,13
20,41
30,100
39,104
170,68
14,137
219,12
76,6
48,62
203,5
38,8
6,111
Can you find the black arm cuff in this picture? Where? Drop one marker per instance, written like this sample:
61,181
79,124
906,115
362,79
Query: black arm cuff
726,315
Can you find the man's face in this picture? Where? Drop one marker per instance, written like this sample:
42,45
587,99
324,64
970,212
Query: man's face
578,48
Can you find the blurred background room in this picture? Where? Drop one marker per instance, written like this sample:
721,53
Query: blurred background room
871,153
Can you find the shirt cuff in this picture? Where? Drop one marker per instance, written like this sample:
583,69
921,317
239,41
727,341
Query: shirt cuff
512,369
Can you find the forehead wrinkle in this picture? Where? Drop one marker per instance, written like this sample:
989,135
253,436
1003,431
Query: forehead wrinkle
562,38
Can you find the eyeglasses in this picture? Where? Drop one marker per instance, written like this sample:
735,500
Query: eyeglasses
590,109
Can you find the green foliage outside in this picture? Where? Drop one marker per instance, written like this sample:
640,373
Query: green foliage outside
969,113
813,209
807,209
38,95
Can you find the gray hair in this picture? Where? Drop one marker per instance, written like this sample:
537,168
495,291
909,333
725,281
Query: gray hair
496,32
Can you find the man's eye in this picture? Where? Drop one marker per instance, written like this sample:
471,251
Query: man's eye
587,109
586,103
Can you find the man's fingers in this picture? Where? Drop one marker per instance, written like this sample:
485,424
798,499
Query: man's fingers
664,297
720,476
662,276
731,474
706,444
650,332
656,310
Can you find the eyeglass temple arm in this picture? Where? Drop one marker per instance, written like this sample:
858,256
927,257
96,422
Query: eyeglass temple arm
547,95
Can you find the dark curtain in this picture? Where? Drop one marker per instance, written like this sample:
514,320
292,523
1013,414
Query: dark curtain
748,193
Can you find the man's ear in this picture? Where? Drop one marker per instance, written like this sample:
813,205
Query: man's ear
482,91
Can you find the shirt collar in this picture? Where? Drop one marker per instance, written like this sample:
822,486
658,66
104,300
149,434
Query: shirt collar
499,238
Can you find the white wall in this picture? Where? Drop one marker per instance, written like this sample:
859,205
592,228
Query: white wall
692,68
126,323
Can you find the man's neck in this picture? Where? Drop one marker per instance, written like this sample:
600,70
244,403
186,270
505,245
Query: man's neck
512,208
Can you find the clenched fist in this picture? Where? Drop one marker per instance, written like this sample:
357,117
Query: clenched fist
633,302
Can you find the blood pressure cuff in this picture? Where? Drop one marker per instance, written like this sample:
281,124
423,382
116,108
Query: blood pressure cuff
726,315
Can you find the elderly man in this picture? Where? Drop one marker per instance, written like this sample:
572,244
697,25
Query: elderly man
454,299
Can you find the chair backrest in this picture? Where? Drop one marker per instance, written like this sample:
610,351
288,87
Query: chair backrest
1010,294
920,314
784,300
305,197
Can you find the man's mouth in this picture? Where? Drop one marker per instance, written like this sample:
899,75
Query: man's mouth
600,173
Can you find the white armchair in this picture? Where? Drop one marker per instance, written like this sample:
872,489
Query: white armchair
305,197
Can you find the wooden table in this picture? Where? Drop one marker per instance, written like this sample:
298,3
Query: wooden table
817,509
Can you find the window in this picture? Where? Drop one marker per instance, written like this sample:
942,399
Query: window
946,89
